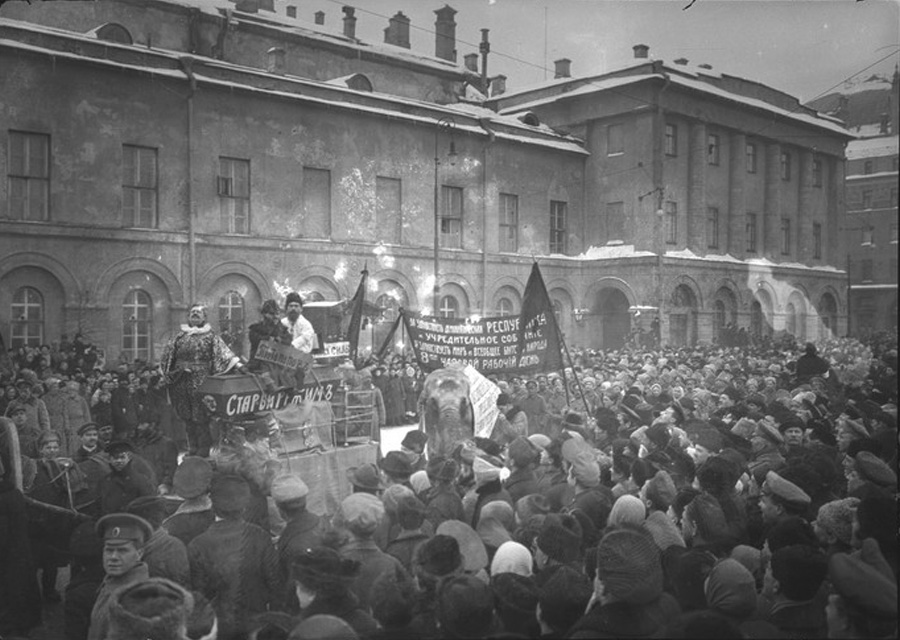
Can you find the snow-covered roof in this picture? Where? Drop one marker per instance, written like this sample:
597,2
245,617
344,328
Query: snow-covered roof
687,254
873,147
320,32
605,84
864,176
337,96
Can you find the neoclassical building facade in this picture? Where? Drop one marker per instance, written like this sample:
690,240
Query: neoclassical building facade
157,154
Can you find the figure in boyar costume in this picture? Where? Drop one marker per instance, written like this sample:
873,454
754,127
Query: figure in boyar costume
195,353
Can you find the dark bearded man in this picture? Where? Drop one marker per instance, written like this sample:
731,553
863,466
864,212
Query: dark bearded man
195,353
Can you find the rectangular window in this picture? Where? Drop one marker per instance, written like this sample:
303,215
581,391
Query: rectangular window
817,240
785,165
866,199
388,215
451,217
29,176
817,173
868,235
868,167
866,269
139,184
671,140
893,196
233,186
509,223
751,158
750,233
895,163
786,236
671,222
712,149
317,202
615,140
558,224
615,221
894,232
712,228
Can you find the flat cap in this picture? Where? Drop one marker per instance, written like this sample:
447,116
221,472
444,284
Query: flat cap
86,426
118,446
124,527
362,512
784,489
288,487
192,477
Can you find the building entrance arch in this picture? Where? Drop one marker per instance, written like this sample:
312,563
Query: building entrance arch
610,310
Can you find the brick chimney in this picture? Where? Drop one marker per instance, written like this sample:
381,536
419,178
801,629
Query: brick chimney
471,61
445,34
397,31
275,60
641,51
320,17
247,6
292,11
349,22
498,85
563,68
681,61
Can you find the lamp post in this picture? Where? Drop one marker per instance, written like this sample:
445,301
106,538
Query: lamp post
446,124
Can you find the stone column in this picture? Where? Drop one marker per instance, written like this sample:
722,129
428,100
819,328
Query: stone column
696,206
834,212
772,215
804,209
737,176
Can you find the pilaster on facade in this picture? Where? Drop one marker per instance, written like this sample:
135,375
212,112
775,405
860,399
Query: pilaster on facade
697,168
805,208
772,215
737,177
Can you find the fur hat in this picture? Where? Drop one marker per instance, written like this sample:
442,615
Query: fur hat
293,296
322,567
153,609
323,627
660,489
515,593
629,564
836,518
464,608
438,556
396,464
560,538
442,469
522,452
471,547
229,493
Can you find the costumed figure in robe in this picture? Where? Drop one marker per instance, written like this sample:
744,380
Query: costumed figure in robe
195,353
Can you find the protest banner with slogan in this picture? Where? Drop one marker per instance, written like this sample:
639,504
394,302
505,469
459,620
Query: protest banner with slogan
233,396
483,395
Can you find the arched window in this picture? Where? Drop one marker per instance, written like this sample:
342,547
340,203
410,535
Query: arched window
314,296
449,307
505,307
137,325
231,320
27,314
557,310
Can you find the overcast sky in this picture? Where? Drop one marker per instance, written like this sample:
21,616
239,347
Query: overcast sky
803,47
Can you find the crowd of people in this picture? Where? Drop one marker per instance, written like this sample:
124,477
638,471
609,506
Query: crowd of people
719,491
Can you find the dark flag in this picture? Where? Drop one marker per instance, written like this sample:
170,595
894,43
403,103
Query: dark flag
357,303
537,317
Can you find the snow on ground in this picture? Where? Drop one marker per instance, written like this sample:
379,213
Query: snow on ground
392,436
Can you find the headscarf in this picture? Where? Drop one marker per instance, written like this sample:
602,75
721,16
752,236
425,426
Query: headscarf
512,557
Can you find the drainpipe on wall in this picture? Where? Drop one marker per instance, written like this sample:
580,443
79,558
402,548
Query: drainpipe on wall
659,188
486,125
187,63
